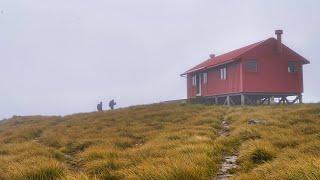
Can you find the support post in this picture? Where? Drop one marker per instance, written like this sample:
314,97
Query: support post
295,100
228,100
300,98
242,99
231,101
272,99
248,100
263,100
286,100
282,100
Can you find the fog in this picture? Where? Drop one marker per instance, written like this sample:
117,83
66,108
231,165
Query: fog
60,57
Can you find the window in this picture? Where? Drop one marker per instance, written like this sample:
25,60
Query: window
223,73
205,77
194,80
292,66
252,66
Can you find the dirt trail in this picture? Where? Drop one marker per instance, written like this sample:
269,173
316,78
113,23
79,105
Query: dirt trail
71,161
230,162
225,131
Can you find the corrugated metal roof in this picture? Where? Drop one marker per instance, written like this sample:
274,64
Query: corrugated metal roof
224,58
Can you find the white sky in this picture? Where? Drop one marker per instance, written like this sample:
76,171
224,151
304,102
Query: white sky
61,57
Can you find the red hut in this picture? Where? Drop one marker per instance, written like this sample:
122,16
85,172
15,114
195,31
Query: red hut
255,74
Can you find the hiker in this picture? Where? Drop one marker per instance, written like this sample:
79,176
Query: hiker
99,107
112,104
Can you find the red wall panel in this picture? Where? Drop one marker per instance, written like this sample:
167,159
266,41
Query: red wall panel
215,85
218,86
272,75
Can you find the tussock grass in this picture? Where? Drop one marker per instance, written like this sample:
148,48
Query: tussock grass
163,141
34,168
285,147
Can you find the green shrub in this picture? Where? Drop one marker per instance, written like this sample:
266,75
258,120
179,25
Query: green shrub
260,155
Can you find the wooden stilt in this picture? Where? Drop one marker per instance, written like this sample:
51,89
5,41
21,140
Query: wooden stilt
248,100
228,100
231,101
271,99
295,100
242,99
263,100
300,98
285,100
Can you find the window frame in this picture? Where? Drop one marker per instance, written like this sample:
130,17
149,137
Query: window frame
293,66
250,69
205,77
194,80
223,73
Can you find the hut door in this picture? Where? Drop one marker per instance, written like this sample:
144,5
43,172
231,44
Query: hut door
198,83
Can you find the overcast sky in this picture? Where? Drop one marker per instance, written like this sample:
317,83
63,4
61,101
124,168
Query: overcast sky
64,56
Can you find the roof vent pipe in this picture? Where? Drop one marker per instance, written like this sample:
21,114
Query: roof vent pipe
279,43
212,56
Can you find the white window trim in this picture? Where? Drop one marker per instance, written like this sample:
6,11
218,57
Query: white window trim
250,61
200,84
223,73
194,81
295,67
205,77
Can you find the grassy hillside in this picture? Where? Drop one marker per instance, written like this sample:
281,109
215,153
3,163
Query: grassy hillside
163,141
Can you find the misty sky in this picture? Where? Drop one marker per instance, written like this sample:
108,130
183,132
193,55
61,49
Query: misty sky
64,56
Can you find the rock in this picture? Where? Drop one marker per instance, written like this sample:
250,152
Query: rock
36,140
225,131
256,121
229,164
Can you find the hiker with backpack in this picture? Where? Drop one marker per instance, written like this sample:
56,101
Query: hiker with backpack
112,103
99,107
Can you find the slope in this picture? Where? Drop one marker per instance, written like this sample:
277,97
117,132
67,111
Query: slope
163,141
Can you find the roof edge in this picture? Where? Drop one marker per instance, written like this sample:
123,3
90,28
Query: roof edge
209,67
305,61
228,61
